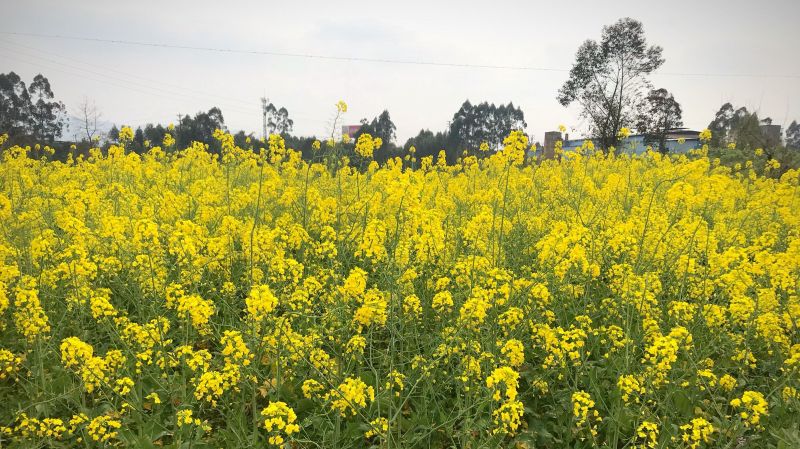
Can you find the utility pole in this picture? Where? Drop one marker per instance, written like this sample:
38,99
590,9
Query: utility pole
178,128
264,101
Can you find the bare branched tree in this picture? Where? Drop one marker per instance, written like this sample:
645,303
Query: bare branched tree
89,116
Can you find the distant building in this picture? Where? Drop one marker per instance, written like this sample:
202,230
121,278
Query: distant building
350,130
679,141
550,139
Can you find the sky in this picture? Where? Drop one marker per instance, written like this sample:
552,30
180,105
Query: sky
743,52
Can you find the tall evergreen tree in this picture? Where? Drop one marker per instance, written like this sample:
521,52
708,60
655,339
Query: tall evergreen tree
793,136
30,112
473,125
380,126
278,121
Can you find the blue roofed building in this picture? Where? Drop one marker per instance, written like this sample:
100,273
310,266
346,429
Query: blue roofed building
679,141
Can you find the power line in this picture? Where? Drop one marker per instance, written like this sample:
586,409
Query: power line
285,54
368,60
114,81
245,103
150,88
83,73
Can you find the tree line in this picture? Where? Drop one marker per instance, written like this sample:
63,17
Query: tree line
29,112
609,82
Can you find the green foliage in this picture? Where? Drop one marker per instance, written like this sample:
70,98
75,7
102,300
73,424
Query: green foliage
473,125
380,126
278,121
793,135
427,143
29,113
660,114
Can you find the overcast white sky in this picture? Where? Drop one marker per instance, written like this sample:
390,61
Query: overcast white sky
135,84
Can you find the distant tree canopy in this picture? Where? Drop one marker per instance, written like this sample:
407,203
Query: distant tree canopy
380,126
240,139
659,114
278,121
426,143
725,121
793,135
471,126
199,128
737,133
741,127
29,112
155,133
474,124
609,79
303,145
113,133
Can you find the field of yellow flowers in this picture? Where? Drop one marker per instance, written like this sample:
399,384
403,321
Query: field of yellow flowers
186,299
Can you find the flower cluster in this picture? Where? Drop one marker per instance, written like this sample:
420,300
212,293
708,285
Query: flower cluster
646,436
350,396
586,417
366,144
279,420
752,406
697,432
